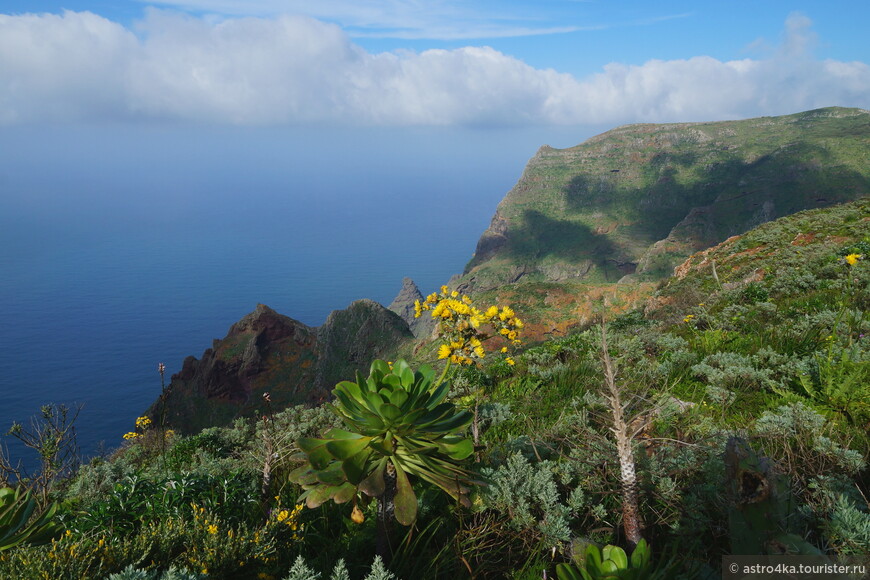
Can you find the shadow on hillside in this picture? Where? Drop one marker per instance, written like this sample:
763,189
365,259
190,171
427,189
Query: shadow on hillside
575,243
734,195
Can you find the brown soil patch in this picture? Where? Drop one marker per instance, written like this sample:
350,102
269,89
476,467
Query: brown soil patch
804,239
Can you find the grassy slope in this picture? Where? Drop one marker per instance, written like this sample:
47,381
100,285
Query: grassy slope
595,211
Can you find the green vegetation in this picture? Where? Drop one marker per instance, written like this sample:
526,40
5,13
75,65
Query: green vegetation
727,415
19,522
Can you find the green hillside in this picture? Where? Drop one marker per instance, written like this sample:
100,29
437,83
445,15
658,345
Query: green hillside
637,200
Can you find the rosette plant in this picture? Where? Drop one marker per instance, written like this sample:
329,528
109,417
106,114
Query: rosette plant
610,563
397,426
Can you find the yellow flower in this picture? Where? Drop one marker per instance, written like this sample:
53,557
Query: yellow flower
510,361
852,259
459,322
212,529
504,349
130,435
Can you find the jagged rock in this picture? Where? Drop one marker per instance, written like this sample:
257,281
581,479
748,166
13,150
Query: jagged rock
403,305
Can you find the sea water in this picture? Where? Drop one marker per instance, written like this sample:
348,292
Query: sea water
121,248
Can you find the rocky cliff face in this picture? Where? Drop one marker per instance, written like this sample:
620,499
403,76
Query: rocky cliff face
634,202
352,338
267,352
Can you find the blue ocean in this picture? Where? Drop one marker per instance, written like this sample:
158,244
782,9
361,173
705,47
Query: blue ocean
124,247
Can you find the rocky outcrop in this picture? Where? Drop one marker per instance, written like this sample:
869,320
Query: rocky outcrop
351,338
229,371
267,352
403,305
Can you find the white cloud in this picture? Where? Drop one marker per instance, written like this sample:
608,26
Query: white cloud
79,66
62,67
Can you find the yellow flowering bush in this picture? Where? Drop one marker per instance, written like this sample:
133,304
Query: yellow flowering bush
198,541
214,545
460,325
290,519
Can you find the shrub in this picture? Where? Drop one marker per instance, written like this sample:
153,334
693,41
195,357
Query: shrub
528,494
848,528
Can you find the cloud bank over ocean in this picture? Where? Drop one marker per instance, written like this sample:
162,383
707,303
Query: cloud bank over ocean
81,67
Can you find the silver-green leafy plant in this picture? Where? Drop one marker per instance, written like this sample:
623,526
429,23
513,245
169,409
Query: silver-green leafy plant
19,525
173,573
397,424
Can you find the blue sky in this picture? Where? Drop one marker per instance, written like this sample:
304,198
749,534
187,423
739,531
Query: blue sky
439,62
